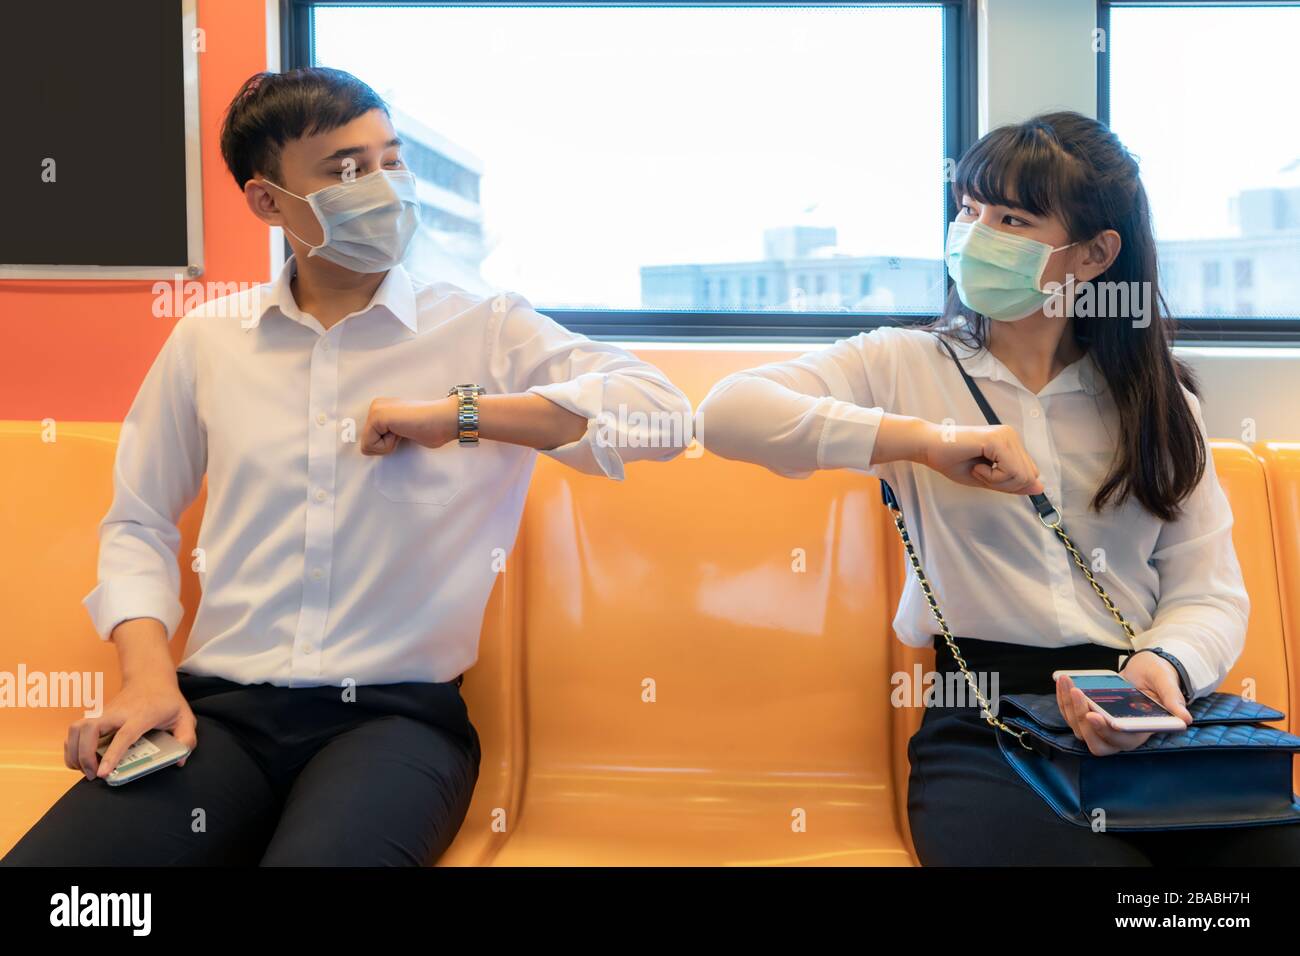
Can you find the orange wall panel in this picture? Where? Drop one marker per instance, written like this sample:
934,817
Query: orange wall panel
78,349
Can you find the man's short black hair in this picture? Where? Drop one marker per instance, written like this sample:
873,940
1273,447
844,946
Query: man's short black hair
271,109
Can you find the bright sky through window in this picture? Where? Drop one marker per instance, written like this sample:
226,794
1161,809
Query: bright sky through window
613,139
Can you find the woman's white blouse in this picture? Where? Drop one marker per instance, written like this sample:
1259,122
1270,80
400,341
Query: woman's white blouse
998,573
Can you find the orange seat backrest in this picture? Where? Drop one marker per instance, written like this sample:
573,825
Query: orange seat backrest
1262,669
754,608
1281,462
53,494
748,605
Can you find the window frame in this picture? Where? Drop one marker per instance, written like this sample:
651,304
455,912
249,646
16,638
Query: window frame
1196,329
960,117
960,126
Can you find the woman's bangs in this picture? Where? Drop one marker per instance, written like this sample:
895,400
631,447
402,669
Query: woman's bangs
1009,168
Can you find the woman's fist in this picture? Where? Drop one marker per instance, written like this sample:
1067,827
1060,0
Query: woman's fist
982,456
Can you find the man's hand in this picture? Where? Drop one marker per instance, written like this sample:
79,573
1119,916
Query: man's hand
1149,673
145,703
431,424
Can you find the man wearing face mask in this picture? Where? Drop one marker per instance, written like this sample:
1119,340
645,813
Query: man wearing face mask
367,442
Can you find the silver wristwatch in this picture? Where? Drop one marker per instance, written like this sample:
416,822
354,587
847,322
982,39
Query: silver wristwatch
467,412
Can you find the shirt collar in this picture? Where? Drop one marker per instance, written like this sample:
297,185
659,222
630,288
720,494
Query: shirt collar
1083,375
395,294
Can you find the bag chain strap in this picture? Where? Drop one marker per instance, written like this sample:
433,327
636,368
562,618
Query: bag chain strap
986,711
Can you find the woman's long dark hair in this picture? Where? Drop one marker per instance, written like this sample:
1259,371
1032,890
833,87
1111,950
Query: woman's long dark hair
1074,167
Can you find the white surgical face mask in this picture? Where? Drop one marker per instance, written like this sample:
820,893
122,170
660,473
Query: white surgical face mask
367,224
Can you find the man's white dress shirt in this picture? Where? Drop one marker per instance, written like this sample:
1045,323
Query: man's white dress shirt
998,573
319,564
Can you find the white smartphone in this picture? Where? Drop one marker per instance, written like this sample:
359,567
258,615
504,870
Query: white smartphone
153,751
1123,705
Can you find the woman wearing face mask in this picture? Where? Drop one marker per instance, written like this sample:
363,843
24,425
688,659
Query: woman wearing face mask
1098,415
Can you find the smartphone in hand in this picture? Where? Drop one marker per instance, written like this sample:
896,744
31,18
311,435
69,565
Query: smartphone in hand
153,751
1123,705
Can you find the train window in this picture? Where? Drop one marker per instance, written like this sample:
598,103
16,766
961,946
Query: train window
1194,92
698,162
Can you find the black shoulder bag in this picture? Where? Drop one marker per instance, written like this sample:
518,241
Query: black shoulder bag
1227,769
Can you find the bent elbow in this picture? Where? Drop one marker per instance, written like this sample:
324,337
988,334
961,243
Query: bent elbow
721,422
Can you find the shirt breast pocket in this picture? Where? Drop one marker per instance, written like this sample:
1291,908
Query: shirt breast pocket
415,474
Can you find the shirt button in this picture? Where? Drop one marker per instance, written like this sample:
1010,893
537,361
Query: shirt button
1034,413
306,648
320,494
317,573
320,418
325,347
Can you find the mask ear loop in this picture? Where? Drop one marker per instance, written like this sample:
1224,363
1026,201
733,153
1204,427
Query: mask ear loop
1038,282
311,249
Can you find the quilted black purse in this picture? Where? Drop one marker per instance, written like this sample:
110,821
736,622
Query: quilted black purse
1228,769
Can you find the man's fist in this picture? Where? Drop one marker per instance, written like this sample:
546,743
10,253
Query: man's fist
389,420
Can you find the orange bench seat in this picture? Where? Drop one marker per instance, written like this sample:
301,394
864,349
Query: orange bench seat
657,682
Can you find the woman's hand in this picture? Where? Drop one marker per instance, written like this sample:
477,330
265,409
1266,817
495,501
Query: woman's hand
982,456
1149,673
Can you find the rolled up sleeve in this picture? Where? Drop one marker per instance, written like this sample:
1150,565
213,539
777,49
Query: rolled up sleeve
158,469
633,412
1203,610
821,410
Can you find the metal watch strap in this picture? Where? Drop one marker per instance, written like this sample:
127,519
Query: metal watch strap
467,412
